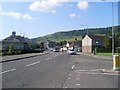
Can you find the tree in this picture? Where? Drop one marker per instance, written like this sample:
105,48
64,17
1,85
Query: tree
117,40
10,49
108,42
61,43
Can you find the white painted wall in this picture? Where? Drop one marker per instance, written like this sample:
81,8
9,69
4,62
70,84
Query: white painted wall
87,41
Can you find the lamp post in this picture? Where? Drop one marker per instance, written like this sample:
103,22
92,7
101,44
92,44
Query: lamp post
112,27
87,39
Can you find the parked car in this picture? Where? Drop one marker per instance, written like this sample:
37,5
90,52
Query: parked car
56,50
72,52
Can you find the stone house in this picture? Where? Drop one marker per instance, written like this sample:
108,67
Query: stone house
18,42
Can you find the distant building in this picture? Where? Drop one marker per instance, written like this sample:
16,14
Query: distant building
67,45
18,42
90,42
76,45
49,44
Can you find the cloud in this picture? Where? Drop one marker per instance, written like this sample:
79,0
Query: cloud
53,11
17,15
83,5
72,15
44,5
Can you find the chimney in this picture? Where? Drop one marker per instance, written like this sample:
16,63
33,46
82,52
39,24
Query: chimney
13,33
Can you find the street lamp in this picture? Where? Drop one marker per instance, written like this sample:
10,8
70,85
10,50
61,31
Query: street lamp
87,35
112,27
86,28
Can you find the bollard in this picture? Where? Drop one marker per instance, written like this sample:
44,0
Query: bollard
116,62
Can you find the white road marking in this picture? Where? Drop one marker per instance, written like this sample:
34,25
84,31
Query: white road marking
95,72
8,71
53,86
72,67
32,64
64,87
98,73
80,70
57,55
78,84
96,56
69,78
98,69
111,74
54,56
47,59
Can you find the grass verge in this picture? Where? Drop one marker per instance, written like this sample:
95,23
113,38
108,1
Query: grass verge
106,54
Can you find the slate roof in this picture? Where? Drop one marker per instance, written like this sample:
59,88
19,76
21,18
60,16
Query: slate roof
97,38
16,38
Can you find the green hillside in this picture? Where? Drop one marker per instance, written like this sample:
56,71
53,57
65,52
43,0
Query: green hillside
71,35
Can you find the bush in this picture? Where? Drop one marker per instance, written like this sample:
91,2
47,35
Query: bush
11,49
17,52
4,53
103,49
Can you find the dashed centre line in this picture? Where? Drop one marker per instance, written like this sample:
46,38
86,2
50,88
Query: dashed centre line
27,65
65,87
78,84
47,59
53,56
8,71
32,64
69,78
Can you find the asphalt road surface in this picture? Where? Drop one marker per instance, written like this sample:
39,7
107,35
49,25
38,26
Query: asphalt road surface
59,70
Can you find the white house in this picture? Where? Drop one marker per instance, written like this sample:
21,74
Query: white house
87,44
90,42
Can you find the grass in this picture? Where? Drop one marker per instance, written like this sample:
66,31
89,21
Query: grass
65,39
106,54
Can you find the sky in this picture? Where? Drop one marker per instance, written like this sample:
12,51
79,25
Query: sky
39,18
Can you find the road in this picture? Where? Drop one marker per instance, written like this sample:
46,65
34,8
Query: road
59,70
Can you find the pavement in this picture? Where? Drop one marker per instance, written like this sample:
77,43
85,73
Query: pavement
21,56
97,56
104,58
88,71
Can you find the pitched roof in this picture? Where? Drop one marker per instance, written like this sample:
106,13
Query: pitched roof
16,38
97,38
